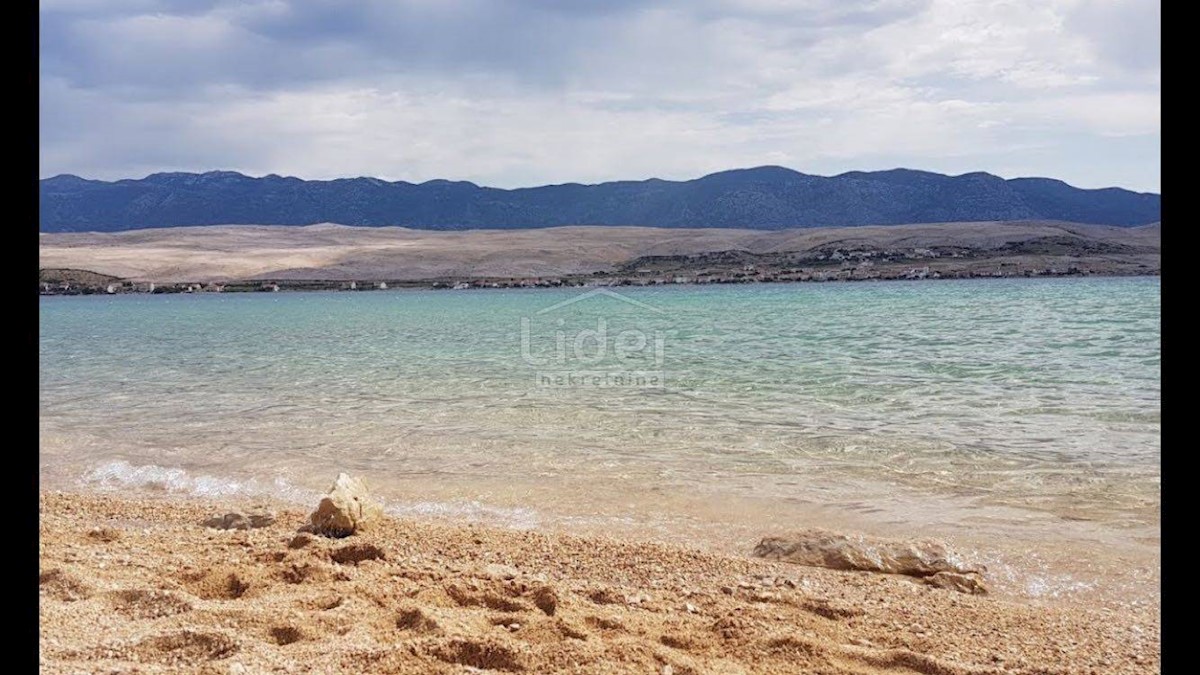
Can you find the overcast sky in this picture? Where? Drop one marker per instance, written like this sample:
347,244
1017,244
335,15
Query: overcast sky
524,92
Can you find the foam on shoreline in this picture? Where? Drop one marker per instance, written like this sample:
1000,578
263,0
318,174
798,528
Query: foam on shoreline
1025,576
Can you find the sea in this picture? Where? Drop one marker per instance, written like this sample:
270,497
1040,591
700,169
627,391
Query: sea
1017,419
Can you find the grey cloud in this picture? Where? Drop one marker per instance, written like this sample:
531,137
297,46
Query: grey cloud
279,44
516,91
1127,35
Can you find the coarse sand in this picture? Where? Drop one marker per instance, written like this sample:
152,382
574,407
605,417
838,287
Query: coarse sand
140,585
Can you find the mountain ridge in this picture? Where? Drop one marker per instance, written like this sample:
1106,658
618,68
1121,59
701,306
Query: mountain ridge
765,197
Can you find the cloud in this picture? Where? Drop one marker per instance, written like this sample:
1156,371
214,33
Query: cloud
519,92
1124,35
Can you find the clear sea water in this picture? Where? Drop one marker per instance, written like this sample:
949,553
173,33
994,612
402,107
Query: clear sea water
1017,418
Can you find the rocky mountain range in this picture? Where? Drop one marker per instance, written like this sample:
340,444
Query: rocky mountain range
766,198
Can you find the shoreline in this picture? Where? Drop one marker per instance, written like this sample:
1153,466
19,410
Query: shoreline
313,286
1031,556
438,597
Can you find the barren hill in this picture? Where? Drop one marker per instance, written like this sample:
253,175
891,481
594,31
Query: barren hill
335,252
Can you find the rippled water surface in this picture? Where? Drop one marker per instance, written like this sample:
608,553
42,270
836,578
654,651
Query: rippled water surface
1019,409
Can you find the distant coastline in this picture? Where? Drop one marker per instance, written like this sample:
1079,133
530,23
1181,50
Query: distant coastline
339,258
122,287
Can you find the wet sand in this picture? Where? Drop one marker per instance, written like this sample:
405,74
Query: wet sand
138,584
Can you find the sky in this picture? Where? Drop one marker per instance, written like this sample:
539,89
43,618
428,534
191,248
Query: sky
513,93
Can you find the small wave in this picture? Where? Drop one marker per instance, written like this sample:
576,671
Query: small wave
1055,586
151,477
514,517
122,475
1032,578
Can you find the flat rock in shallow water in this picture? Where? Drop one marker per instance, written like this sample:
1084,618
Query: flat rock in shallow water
347,508
928,559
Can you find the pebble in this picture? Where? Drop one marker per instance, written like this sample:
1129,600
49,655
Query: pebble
496,571
301,540
637,599
860,642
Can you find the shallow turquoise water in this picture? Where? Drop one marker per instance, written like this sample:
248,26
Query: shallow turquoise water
918,404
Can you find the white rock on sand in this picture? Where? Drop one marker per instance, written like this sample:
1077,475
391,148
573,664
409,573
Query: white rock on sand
346,509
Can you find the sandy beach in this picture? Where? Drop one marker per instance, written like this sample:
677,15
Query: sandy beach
141,585
664,338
